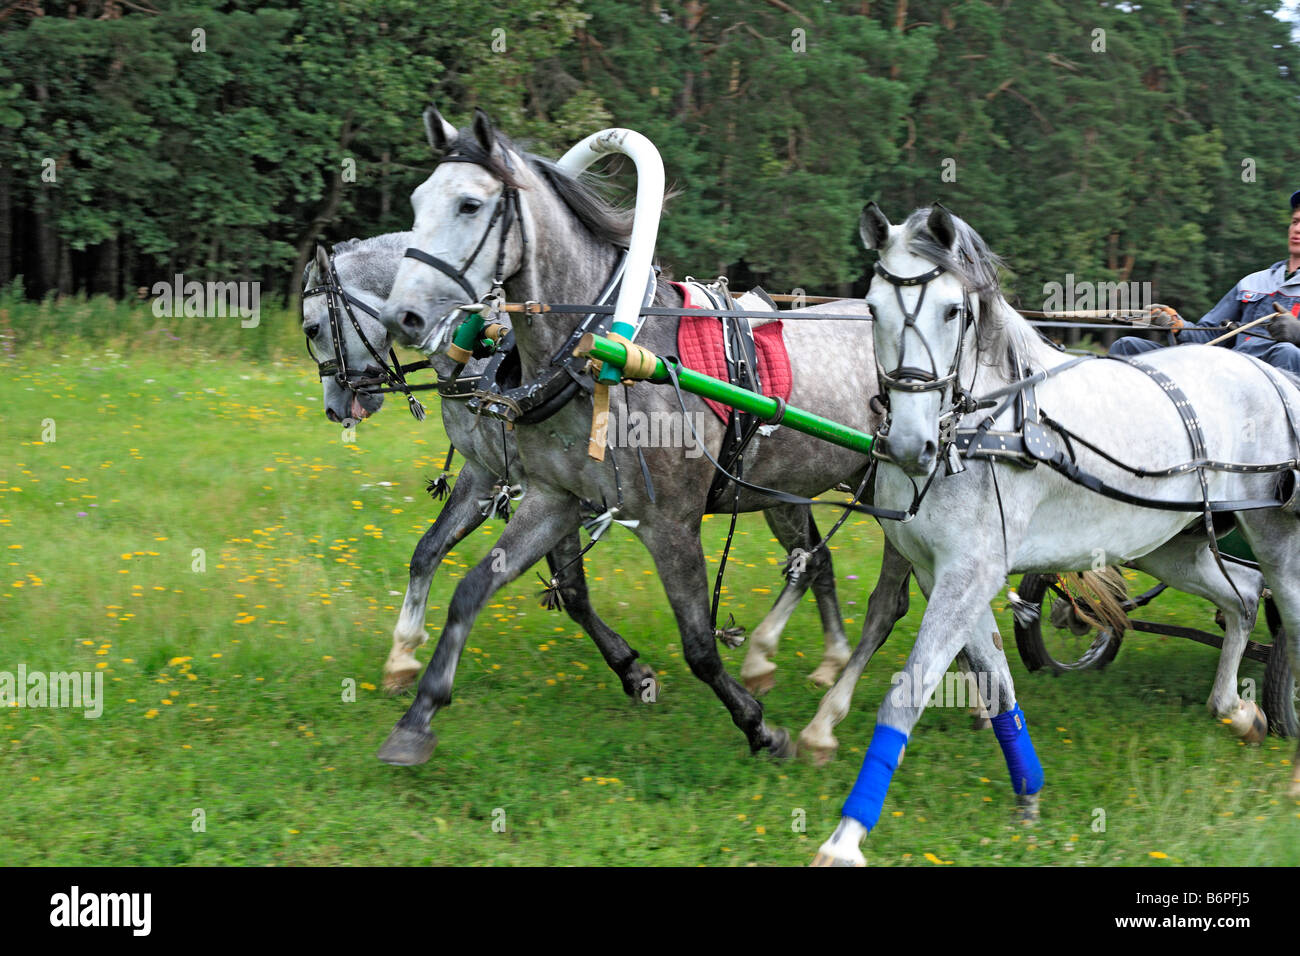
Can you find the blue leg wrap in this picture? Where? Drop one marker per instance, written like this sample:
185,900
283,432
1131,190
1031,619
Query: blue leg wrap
883,756
1022,761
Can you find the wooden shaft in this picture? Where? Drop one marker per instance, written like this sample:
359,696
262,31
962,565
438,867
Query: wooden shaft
1249,325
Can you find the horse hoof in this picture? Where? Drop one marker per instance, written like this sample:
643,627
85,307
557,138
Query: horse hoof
1027,809
781,745
825,675
980,723
826,859
407,748
1248,722
815,750
761,684
644,686
1294,792
399,682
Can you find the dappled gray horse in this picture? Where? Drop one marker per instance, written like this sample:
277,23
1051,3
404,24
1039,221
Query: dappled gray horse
573,241
1106,436
366,269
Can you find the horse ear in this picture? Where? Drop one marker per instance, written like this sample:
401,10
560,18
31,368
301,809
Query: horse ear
439,132
941,226
322,261
873,226
484,131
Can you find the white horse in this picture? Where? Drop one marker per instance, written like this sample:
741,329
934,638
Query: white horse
944,337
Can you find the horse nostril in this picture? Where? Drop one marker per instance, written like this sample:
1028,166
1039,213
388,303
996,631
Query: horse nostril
331,415
928,452
412,321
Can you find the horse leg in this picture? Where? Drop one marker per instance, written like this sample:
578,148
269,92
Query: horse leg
986,660
958,603
836,650
1272,535
541,521
886,606
638,680
980,715
459,516
793,527
679,560
1188,564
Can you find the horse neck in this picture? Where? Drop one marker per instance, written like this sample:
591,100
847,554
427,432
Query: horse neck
563,262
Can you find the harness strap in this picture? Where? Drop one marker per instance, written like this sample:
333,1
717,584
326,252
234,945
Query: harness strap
671,364
446,268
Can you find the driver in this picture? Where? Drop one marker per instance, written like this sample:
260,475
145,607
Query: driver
1276,342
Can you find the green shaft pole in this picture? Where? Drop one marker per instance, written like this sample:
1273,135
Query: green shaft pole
612,353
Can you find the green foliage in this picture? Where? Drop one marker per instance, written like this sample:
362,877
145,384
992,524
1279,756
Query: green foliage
1112,141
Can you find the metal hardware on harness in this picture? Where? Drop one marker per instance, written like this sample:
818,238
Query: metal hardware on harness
914,380
507,208
339,300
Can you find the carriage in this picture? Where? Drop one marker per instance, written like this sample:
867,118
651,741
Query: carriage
1056,638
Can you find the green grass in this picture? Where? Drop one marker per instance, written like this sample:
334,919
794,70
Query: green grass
224,688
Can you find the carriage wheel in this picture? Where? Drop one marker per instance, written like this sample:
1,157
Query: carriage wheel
1279,683
1056,639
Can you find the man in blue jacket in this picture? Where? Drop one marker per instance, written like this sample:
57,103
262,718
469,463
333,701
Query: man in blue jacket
1276,342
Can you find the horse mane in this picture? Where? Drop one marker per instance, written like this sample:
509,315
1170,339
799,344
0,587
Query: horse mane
607,221
1002,330
582,194
367,265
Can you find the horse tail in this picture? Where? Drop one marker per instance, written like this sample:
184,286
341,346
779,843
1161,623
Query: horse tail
1099,597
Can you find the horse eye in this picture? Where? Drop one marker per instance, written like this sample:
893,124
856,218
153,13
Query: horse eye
953,312
311,328
470,206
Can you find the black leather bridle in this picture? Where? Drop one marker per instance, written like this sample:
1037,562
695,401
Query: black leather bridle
389,377
507,211
906,378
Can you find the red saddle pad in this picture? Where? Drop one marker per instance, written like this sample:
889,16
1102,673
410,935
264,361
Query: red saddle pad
699,346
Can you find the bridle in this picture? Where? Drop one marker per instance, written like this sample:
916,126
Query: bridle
507,211
906,378
389,377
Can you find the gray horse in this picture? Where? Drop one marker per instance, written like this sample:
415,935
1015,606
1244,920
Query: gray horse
366,269
573,240
944,334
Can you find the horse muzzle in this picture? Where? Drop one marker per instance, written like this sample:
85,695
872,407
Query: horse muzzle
915,456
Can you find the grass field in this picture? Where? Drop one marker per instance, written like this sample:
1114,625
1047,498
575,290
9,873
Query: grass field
225,686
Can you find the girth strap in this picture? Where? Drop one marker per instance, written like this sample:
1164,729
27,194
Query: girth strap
742,369
1058,460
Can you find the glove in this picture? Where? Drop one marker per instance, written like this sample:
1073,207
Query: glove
1164,317
1285,328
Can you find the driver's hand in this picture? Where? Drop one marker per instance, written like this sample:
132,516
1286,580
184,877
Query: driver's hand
1285,328
1164,317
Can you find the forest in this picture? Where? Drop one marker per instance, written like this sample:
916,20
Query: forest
1089,142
